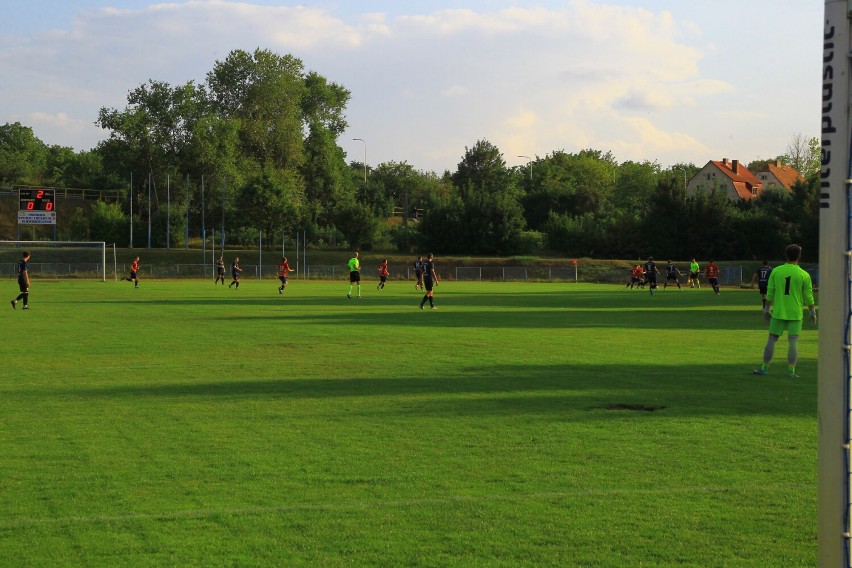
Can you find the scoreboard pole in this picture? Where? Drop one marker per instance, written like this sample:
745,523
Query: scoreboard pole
833,451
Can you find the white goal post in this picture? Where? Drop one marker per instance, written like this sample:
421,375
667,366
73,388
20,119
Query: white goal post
57,259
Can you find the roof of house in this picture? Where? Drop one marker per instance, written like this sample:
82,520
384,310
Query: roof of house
786,175
744,181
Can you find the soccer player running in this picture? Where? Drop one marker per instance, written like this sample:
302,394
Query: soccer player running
651,272
693,274
134,273
430,280
23,270
418,272
235,272
762,277
672,273
220,271
383,274
636,276
712,272
354,275
283,269
789,289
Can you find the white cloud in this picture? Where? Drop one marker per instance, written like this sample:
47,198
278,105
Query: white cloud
425,83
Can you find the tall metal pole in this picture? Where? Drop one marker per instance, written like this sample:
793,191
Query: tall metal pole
168,211
835,275
131,209
203,226
149,207
186,229
365,157
529,161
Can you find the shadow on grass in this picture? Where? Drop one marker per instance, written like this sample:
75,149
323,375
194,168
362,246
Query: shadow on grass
514,390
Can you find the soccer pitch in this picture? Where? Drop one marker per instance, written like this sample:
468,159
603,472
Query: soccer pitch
518,424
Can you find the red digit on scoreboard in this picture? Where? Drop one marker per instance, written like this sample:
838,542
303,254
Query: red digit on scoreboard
30,205
48,206
40,194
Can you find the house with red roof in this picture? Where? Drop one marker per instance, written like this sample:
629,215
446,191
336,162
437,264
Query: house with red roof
727,176
776,174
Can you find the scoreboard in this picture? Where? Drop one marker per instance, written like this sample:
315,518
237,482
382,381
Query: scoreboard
36,206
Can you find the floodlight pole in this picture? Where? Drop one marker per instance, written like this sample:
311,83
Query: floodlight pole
529,161
365,157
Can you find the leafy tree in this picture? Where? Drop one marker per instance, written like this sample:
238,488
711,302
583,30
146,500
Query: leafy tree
804,154
109,223
271,203
358,224
23,157
264,91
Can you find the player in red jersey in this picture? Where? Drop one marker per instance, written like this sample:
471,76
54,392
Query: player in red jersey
383,274
712,273
283,269
134,273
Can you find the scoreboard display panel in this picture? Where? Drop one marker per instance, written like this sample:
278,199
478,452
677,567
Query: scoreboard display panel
36,199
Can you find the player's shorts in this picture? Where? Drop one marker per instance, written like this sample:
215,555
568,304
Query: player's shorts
383,279
283,279
777,327
22,286
221,272
235,275
428,284
762,288
651,279
133,275
635,280
693,275
713,281
671,276
418,274
355,276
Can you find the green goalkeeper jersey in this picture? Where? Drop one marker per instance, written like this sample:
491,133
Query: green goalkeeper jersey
789,290
354,265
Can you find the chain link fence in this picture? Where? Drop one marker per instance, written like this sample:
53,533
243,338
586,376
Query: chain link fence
729,275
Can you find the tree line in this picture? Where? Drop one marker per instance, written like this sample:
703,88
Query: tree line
254,148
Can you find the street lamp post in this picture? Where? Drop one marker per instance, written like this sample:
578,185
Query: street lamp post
365,157
529,161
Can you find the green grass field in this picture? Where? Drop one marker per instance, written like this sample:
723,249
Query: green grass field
518,424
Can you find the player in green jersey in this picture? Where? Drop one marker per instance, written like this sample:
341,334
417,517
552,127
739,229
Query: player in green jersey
788,290
354,275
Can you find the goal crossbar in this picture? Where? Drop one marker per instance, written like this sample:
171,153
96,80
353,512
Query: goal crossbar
35,246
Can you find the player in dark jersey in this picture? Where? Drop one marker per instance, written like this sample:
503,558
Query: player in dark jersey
220,271
651,274
235,272
430,280
762,277
23,270
418,272
672,273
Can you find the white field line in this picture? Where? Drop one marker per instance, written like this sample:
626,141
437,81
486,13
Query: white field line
24,522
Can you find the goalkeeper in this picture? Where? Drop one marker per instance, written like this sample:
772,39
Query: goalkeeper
789,289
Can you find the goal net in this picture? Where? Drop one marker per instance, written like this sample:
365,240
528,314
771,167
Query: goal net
56,259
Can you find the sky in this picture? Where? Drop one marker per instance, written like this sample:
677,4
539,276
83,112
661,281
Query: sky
668,81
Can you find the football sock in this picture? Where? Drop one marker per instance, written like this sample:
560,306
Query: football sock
423,301
431,303
349,293
793,351
359,289
769,350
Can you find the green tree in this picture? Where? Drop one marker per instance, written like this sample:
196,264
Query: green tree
23,157
271,203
